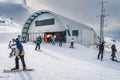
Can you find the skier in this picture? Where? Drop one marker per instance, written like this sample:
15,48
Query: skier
38,42
12,45
60,41
53,40
113,49
101,50
72,43
19,54
9,45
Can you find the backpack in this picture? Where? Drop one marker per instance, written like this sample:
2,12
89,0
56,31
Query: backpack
9,46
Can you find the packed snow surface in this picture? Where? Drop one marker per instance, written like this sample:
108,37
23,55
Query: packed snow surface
60,63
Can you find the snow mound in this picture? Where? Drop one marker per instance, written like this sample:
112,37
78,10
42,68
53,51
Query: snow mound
8,26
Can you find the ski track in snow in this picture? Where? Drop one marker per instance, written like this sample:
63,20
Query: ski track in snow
59,63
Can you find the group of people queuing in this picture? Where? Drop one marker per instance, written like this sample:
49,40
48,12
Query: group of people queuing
101,51
17,50
52,41
61,41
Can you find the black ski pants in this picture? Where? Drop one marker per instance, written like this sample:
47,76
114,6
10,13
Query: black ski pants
60,43
37,46
113,55
12,52
22,60
100,54
72,45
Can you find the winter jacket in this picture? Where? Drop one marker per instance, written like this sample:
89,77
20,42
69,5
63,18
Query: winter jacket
12,44
72,40
101,46
53,39
38,41
18,53
60,39
113,48
19,47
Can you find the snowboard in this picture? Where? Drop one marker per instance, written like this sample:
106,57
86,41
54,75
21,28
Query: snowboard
115,60
18,70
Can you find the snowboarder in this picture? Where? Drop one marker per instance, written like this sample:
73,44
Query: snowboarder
12,46
19,54
38,42
113,49
72,43
101,50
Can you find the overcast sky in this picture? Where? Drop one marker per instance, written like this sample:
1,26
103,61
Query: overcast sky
84,11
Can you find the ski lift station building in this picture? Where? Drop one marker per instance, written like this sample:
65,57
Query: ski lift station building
45,23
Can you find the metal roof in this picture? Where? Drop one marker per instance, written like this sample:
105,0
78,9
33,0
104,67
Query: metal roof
60,18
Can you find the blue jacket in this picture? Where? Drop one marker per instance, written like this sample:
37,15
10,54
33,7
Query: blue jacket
38,41
19,46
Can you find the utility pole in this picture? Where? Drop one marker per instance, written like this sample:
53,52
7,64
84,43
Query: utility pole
11,20
102,16
0,15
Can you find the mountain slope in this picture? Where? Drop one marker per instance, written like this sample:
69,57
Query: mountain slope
18,12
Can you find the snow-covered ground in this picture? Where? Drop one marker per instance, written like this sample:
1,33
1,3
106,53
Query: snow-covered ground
6,37
60,63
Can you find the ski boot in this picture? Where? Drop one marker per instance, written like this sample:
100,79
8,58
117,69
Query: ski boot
14,69
24,68
10,56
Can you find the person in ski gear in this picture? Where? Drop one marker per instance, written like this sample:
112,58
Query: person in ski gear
53,40
72,43
60,41
9,45
12,46
38,42
19,55
101,51
113,49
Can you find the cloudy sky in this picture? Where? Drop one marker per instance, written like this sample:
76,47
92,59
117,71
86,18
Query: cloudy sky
84,11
